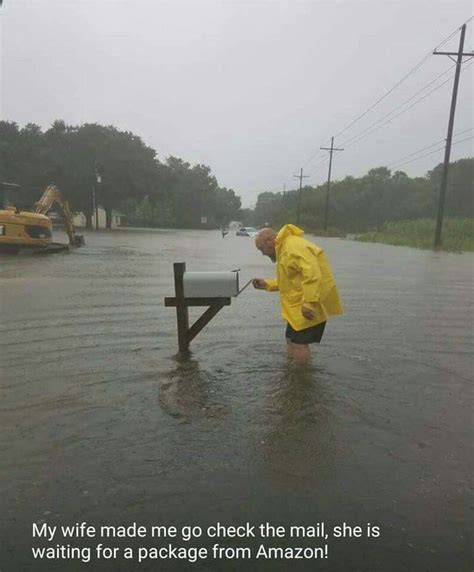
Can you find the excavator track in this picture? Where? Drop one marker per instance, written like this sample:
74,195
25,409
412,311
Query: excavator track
55,247
52,248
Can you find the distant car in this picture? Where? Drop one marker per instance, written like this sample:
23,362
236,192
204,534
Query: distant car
247,231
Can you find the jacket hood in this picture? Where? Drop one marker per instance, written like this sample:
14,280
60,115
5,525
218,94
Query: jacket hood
288,230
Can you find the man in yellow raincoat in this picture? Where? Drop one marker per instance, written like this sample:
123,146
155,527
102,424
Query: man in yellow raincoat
308,292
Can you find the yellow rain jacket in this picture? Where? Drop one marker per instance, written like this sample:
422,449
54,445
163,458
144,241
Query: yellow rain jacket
303,277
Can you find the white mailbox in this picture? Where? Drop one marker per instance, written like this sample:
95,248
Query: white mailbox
211,284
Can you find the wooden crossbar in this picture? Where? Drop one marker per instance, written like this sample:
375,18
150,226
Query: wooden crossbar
173,302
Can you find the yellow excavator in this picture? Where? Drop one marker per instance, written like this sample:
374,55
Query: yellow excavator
21,229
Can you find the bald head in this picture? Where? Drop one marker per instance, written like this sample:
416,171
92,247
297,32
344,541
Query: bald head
265,242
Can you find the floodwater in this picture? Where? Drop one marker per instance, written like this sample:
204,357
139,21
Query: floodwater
101,420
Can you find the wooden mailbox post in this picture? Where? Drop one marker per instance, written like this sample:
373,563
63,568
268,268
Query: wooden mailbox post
185,333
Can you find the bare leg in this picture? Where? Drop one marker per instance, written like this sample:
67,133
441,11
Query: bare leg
300,353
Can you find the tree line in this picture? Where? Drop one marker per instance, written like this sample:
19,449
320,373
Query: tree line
172,193
365,203
175,194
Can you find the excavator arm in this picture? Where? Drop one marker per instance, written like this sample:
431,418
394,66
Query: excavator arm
51,196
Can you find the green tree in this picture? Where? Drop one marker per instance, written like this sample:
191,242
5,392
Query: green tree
460,187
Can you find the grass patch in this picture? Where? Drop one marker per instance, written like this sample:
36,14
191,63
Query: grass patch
457,234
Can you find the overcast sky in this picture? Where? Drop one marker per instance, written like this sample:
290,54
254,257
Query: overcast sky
250,88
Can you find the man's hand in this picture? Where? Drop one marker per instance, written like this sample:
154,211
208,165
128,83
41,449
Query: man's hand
309,311
259,283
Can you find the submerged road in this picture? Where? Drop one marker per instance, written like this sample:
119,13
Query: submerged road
101,422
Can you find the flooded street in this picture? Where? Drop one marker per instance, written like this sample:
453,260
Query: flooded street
101,420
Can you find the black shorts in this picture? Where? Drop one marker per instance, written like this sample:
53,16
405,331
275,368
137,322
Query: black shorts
311,335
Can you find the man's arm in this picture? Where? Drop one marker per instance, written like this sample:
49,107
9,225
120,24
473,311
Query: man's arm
308,266
268,284
271,284
305,262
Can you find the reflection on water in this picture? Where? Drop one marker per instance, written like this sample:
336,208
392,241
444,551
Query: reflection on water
100,420
185,392
299,443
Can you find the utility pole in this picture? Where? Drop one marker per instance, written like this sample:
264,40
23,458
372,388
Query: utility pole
331,151
94,203
447,152
95,207
300,177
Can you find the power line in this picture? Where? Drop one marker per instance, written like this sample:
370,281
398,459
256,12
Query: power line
395,116
354,137
320,164
415,68
315,156
427,147
361,136
462,132
422,157
432,152
397,163
415,153
383,97
371,128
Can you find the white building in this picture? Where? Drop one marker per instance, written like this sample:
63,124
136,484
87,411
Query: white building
118,219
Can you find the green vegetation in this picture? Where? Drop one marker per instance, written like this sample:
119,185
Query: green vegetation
382,204
365,203
172,193
458,234
150,192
